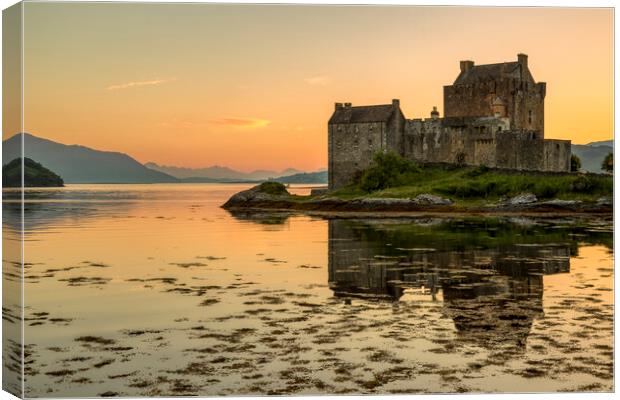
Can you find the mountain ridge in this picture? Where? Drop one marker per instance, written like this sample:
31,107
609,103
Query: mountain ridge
592,154
220,172
81,164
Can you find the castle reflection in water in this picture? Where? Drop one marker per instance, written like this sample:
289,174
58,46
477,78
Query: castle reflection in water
489,277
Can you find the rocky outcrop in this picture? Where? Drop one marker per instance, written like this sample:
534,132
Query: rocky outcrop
521,199
431,199
267,194
274,196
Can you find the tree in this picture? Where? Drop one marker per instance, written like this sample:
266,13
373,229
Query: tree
575,163
387,170
608,163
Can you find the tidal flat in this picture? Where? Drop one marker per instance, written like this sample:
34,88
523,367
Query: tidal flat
154,290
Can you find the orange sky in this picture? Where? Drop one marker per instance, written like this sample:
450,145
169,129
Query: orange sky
253,86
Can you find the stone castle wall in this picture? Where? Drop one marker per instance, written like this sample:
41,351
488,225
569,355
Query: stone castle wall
485,141
523,102
351,148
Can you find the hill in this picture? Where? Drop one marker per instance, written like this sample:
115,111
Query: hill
35,175
304,177
609,143
220,174
79,164
592,154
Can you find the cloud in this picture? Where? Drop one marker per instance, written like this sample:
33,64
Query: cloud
242,122
320,80
138,83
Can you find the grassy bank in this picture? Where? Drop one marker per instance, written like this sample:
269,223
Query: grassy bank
471,185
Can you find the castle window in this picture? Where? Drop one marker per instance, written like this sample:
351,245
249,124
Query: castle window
369,142
529,117
499,128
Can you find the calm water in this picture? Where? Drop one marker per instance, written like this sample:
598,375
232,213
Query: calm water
155,290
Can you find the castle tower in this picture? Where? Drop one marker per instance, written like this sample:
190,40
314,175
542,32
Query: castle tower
480,90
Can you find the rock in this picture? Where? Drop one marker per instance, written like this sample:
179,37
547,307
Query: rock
328,201
263,193
604,201
561,203
318,191
523,198
431,199
385,201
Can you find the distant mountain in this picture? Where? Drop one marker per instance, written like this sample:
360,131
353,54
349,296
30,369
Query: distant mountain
79,164
592,154
198,179
219,173
609,143
304,177
35,175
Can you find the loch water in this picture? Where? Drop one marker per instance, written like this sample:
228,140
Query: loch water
155,290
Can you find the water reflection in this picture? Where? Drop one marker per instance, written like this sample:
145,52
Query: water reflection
489,273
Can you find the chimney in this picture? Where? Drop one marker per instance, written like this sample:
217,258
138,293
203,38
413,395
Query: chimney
338,106
522,58
434,113
347,105
395,103
466,65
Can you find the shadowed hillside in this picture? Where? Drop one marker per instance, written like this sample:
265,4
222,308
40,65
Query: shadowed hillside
79,164
35,175
592,154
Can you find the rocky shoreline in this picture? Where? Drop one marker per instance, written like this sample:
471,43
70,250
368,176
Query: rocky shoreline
263,197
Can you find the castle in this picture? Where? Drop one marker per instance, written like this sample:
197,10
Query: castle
494,116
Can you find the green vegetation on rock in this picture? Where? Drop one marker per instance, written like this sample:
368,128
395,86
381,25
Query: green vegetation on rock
274,188
471,184
575,163
608,163
35,175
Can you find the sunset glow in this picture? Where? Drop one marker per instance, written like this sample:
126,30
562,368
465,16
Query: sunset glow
252,86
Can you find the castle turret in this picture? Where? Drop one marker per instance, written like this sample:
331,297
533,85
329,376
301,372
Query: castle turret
466,65
498,107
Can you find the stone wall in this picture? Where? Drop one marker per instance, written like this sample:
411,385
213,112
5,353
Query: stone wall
556,154
485,141
350,149
352,146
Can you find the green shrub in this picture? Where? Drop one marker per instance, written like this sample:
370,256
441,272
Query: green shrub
388,170
591,184
274,188
575,163
546,190
479,170
608,163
